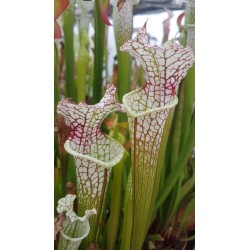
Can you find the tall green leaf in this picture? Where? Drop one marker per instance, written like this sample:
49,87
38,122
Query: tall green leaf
98,55
82,67
68,29
180,164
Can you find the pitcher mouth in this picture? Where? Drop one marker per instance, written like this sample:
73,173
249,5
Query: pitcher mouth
136,114
107,165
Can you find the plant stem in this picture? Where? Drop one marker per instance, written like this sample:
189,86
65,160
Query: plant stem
188,107
82,67
98,55
68,25
56,99
115,206
124,78
180,164
128,214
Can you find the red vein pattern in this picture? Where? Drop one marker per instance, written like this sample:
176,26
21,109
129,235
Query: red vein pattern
95,153
164,67
148,109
